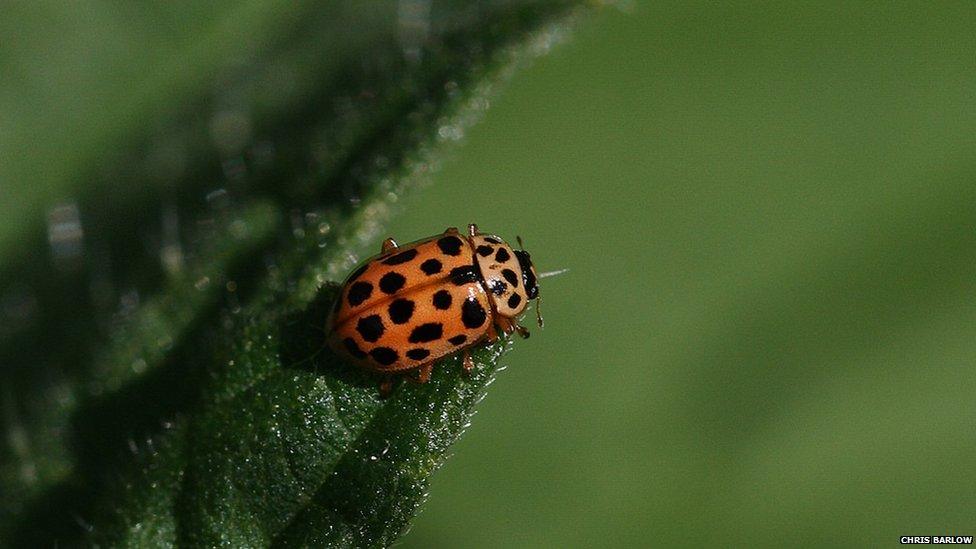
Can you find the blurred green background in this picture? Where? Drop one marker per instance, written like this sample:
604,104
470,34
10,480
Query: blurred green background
768,332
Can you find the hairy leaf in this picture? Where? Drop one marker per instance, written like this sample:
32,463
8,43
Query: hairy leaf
166,381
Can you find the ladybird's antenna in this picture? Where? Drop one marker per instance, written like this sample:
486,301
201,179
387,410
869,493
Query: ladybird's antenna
519,240
538,300
552,273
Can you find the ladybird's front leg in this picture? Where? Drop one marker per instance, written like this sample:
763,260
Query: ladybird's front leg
492,334
509,326
504,324
467,363
389,245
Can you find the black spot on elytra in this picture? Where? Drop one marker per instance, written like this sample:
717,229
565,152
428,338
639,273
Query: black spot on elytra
492,240
384,355
391,282
358,272
442,300
431,331
401,257
450,245
400,311
463,275
370,327
418,353
359,292
502,256
509,275
514,301
472,313
458,339
431,267
484,251
497,287
353,349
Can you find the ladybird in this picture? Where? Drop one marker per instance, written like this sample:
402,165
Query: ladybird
406,308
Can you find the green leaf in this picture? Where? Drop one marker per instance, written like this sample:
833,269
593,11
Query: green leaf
205,410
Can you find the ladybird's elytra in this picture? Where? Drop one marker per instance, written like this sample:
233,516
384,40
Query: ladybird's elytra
412,305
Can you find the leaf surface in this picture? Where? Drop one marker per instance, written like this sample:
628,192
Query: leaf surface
204,410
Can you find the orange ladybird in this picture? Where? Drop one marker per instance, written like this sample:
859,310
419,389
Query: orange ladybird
410,306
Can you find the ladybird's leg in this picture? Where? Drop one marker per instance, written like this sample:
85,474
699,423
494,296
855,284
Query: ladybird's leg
509,326
423,374
467,363
506,325
386,387
472,229
492,334
389,245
